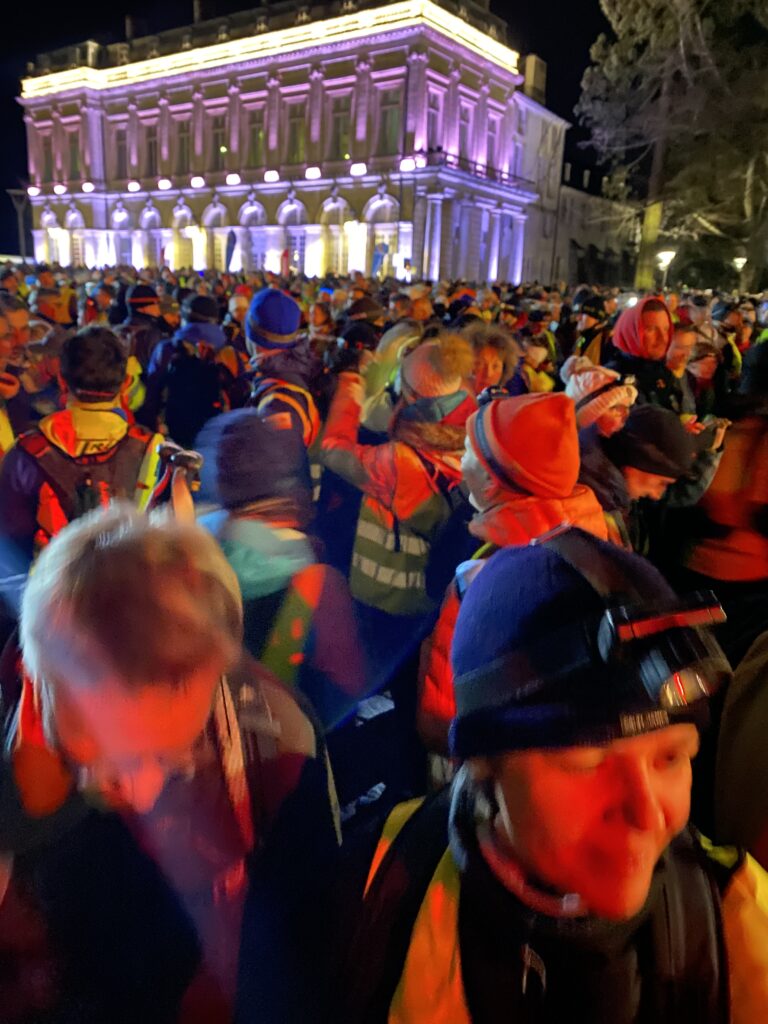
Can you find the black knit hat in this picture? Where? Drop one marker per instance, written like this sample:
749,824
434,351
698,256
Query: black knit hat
594,306
141,295
654,441
200,309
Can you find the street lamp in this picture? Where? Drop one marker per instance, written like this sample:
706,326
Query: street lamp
739,262
664,259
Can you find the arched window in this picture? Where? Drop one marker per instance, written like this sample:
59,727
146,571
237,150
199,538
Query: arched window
215,216
74,219
48,219
336,211
381,210
182,216
150,219
292,213
252,215
121,219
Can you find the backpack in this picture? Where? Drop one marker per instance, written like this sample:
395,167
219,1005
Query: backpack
89,481
452,543
194,393
682,945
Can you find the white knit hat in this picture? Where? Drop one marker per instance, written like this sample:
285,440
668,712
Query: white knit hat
595,390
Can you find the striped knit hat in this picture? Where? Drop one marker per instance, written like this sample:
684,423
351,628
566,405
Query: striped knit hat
595,390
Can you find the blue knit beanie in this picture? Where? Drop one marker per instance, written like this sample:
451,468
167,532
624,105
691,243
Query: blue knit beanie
528,671
273,320
245,461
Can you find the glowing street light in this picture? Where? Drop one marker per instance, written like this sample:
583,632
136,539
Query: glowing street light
739,263
271,176
664,259
59,189
87,186
33,191
133,186
233,178
197,181
164,184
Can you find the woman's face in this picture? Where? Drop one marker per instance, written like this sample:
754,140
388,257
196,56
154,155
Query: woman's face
704,369
489,367
654,334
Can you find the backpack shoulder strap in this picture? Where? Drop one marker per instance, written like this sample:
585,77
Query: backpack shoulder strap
390,907
60,471
298,398
283,652
688,970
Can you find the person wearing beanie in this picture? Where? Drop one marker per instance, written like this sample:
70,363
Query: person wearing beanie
78,458
652,457
257,478
640,340
194,375
521,466
288,381
557,877
593,335
143,328
599,394
708,379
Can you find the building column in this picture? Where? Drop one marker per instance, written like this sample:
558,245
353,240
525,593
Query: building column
493,246
419,232
273,109
164,133
507,134
362,146
480,126
315,115
416,119
448,235
518,245
34,165
198,127
57,145
435,221
233,157
451,114
95,144
132,140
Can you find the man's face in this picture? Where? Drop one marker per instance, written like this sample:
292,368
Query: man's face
595,820
45,279
10,284
103,300
585,321
645,485
127,744
705,368
679,351
19,321
654,333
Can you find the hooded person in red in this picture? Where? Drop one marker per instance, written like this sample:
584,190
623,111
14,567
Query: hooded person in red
521,464
641,337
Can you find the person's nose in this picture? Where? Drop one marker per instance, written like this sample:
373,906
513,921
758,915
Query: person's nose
640,801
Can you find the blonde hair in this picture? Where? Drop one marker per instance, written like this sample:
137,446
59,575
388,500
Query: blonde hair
144,600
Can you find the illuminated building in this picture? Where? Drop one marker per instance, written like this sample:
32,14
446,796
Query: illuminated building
373,137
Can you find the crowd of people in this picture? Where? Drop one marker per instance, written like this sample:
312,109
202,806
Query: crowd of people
358,642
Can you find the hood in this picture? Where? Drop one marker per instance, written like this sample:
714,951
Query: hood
264,558
626,333
600,474
522,518
297,365
85,429
206,334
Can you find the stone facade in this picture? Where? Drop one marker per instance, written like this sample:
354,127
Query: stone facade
383,138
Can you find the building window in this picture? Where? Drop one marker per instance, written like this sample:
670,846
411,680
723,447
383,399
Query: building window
389,122
121,152
74,154
182,147
297,134
493,143
219,142
465,131
256,147
341,128
47,158
150,166
434,120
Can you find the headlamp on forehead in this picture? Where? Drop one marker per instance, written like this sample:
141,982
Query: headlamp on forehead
670,650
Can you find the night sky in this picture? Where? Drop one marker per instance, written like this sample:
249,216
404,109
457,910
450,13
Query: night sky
560,31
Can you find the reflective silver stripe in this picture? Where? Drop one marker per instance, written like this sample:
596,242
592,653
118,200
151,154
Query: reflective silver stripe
386,538
389,577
